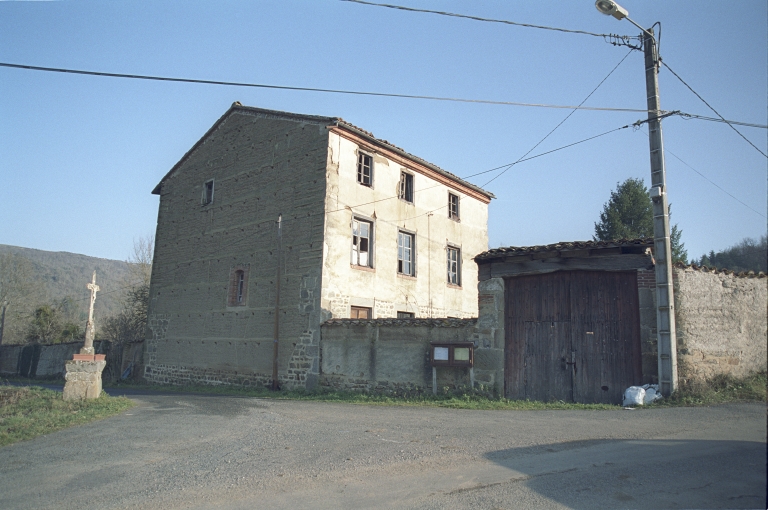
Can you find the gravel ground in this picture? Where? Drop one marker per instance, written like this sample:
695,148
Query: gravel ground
193,451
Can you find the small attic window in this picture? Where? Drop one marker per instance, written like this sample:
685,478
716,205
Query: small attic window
207,192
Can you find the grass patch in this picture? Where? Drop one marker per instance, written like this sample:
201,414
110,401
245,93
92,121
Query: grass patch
720,389
31,411
453,400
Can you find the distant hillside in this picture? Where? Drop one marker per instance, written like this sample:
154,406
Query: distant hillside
60,274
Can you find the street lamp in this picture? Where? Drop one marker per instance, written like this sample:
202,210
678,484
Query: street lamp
665,304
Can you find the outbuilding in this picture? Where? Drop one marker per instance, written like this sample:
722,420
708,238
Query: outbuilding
576,319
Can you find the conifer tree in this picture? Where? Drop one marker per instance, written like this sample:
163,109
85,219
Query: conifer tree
628,214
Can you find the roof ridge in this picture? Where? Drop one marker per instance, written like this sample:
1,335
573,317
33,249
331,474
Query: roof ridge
564,246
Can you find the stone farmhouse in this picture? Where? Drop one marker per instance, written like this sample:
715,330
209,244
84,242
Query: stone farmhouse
309,218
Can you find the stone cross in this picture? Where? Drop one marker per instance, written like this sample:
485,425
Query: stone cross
94,289
89,329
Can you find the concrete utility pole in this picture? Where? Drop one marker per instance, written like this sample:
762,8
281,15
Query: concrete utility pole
665,301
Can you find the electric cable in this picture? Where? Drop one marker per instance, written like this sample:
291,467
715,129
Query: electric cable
489,20
711,108
689,116
713,183
562,121
313,89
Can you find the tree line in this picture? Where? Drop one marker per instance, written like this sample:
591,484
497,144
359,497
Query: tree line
63,320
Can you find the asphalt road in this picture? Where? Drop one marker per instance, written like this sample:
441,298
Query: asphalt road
193,451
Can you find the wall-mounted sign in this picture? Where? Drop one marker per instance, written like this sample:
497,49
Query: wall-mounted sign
453,355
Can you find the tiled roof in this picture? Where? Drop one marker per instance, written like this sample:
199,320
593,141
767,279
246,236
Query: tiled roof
564,246
318,119
706,269
368,134
440,323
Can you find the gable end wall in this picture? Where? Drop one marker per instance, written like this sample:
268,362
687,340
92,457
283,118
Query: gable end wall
262,166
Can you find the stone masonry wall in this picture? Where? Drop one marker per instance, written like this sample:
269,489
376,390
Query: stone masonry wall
392,355
721,323
261,166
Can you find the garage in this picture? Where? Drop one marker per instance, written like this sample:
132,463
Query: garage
572,318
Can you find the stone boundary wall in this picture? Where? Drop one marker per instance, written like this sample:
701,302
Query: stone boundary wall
721,323
389,355
46,361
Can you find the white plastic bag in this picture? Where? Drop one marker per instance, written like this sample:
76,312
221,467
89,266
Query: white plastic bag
651,393
633,396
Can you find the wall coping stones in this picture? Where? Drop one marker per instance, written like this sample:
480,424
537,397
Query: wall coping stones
435,323
707,269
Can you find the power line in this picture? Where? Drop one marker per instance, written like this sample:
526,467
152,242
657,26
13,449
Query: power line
711,108
688,116
625,38
562,121
713,183
312,89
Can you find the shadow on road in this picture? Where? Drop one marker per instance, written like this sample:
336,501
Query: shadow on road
643,473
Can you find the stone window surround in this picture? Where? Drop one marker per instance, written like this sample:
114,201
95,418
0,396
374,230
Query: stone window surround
236,285
402,234
364,162
207,196
454,249
405,187
371,240
454,212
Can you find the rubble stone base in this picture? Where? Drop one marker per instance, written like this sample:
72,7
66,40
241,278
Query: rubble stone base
83,379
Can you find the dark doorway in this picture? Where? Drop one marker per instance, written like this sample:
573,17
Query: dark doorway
572,336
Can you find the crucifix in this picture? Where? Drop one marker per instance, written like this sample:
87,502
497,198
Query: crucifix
89,330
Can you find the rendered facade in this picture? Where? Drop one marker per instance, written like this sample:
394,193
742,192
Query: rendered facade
354,226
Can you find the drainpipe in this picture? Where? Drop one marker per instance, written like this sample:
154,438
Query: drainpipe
276,335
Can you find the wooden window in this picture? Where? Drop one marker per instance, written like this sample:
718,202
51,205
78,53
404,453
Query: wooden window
360,312
454,265
237,295
406,315
364,169
362,242
207,197
405,188
406,263
453,206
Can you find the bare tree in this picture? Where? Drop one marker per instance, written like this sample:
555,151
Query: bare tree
130,324
15,284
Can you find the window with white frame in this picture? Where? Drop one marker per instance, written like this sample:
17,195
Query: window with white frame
453,206
405,188
364,169
454,265
362,241
406,262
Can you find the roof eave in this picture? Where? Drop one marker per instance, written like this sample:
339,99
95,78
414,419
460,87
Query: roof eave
359,132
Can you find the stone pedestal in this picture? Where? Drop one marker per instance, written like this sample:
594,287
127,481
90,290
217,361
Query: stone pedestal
84,377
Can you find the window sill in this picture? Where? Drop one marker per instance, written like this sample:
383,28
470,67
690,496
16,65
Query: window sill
363,268
409,202
405,276
457,220
453,286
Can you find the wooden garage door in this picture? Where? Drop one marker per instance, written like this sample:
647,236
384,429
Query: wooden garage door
572,336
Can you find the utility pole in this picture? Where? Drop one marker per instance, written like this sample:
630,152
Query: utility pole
276,332
665,301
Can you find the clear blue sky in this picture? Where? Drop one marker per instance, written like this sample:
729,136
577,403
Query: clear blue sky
79,155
